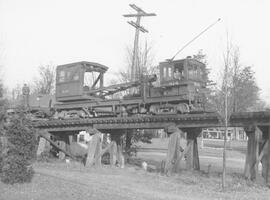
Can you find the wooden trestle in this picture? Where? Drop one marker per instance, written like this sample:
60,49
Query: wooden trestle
257,128
256,125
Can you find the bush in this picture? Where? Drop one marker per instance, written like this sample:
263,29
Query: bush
20,151
22,137
1,160
16,169
45,156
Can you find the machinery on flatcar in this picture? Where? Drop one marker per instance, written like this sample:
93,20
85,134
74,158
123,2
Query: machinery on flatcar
80,91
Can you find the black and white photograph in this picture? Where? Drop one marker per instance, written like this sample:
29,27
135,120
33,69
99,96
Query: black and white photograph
134,100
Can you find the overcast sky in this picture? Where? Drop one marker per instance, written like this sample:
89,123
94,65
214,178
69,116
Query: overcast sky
35,32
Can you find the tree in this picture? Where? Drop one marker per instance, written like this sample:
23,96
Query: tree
145,61
246,90
260,105
200,56
242,89
44,83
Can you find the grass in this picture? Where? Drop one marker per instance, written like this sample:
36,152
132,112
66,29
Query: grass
73,181
58,180
155,152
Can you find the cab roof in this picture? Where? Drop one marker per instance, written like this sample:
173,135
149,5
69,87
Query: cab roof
89,66
181,61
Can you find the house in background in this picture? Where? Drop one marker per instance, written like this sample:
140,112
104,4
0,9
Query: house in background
234,133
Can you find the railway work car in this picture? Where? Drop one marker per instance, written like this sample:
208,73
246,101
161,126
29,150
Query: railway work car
80,91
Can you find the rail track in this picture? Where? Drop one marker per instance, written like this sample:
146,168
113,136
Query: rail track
202,120
134,122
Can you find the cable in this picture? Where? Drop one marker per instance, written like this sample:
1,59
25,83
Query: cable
194,39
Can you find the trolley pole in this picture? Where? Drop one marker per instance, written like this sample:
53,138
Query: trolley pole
135,68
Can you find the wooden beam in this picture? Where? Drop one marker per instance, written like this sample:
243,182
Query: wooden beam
41,146
193,161
102,152
113,153
92,149
97,153
250,171
189,161
267,162
96,81
62,155
120,156
56,145
173,152
177,163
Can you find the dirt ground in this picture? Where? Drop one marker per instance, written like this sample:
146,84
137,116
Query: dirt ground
59,180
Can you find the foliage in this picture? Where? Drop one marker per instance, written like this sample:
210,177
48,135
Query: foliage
3,104
246,91
145,61
44,84
260,105
242,92
21,134
45,156
136,136
143,136
202,57
16,169
19,151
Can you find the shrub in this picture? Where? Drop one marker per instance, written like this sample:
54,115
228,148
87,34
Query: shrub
16,169
1,158
22,138
20,151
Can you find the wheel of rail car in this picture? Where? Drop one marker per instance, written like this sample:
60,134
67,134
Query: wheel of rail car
143,110
183,108
153,109
162,109
59,114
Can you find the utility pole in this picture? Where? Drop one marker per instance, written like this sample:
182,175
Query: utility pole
135,68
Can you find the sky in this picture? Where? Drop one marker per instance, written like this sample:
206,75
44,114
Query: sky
35,32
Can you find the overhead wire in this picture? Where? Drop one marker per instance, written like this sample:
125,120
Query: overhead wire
207,28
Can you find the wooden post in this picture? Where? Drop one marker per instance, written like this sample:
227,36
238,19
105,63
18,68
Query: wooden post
69,142
129,134
116,151
98,152
120,156
92,147
189,161
43,143
172,162
41,146
61,154
113,152
265,152
196,161
251,164
267,162
193,161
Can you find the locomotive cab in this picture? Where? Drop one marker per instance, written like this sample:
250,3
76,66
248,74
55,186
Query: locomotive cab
186,79
182,72
75,80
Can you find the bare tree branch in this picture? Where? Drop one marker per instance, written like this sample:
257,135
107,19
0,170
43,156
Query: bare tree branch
44,83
